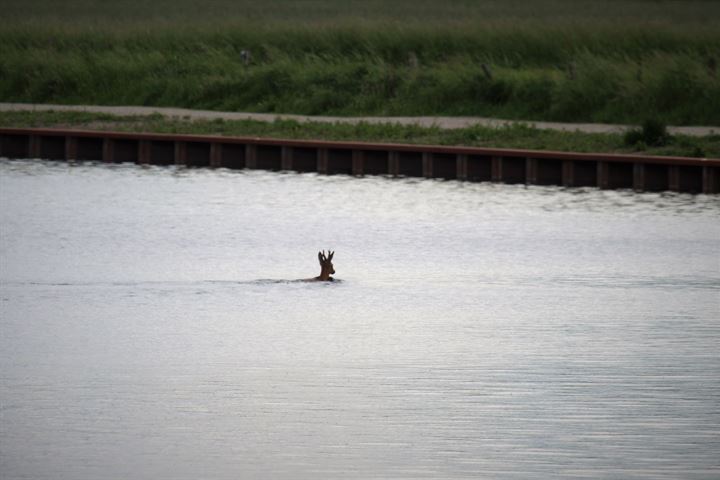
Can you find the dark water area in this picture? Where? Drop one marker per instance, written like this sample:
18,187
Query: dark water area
151,327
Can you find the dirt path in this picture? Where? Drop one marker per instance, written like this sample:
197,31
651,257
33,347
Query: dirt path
442,122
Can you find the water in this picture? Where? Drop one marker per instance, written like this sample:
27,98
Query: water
150,330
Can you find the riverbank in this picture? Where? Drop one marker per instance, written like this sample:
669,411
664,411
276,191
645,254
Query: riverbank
494,135
445,123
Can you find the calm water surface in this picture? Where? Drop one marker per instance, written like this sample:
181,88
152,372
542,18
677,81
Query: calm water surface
148,330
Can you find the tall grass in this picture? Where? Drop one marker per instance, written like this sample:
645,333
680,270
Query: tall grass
547,59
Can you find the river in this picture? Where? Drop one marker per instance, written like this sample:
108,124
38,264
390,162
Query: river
151,327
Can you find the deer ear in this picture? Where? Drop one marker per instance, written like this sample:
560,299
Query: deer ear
331,255
320,257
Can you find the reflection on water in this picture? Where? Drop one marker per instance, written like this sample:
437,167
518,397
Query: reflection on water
151,327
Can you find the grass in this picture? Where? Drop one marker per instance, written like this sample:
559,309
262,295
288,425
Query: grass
515,136
585,60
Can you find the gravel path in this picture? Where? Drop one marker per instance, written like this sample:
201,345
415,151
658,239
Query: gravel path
442,122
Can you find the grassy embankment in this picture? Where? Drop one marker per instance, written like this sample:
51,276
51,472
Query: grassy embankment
562,60
516,136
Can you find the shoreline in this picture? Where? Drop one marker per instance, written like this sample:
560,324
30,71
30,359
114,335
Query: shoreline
566,169
445,123
509,135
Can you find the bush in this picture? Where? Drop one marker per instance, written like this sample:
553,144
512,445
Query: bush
653,133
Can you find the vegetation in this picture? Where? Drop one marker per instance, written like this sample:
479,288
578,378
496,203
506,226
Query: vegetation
565,60
653,133
516,136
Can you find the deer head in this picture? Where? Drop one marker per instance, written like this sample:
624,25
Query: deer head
326,266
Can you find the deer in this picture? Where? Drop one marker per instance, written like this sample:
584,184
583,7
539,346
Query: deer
326,268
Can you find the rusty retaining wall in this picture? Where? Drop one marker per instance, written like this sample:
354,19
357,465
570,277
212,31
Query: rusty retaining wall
607,171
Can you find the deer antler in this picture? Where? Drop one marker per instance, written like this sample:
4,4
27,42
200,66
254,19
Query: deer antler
324,258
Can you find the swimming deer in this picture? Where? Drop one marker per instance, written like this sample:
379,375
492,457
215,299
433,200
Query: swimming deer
326,268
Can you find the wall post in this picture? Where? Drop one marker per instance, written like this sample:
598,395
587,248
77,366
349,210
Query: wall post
531,171
322,160
709,180
71,148
144,152
603,180
673,178
181,153
34,146
496,173
108,155
286,158
358,162
250,155
638,177
216,154
393,163
427,164
568,173
462,166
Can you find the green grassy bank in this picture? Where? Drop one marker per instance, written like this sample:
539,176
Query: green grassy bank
584,60
516,136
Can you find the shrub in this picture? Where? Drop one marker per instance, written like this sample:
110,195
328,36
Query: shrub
653,133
